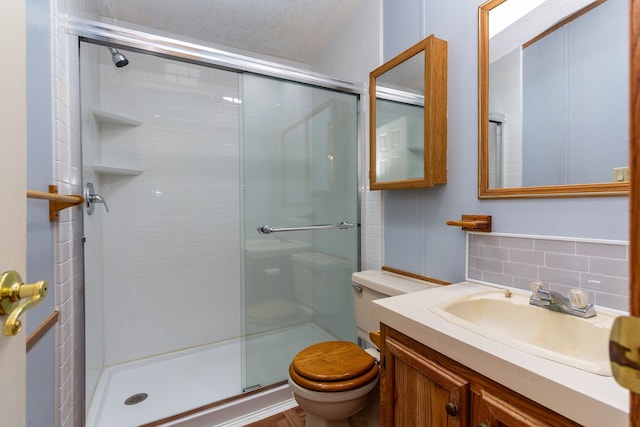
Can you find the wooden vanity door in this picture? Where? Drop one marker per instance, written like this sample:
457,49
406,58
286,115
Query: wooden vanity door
490,410
417,392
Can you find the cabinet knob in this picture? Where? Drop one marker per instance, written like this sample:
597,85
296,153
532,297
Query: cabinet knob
483,425
451,408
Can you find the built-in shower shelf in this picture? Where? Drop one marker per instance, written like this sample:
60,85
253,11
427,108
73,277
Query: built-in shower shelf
108,117
116,170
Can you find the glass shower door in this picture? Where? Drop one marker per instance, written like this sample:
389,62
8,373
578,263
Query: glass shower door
300,171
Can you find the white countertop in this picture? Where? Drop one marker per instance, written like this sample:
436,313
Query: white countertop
586,398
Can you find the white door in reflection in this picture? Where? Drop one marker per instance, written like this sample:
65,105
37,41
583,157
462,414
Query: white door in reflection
391,144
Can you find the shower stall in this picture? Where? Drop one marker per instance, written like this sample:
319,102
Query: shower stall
220,230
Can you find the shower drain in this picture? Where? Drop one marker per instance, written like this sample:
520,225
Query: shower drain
136,398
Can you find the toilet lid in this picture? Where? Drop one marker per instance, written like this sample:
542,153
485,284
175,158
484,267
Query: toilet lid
333,366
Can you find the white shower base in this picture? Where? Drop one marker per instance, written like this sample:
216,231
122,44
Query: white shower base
181,381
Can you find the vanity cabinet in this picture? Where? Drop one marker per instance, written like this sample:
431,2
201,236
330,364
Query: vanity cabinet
421,387
416,391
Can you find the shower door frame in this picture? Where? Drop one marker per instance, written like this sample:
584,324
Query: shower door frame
102,33
176,49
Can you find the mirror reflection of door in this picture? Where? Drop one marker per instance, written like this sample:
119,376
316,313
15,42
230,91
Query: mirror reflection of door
399,140
391,141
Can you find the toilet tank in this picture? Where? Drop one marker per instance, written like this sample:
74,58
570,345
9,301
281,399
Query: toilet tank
321,285
371,285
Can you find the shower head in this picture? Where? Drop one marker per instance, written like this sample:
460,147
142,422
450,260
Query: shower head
119,59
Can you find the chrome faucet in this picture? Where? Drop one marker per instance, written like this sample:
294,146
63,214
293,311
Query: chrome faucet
576,304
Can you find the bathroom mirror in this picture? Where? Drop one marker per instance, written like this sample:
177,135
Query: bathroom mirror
408,122
553,98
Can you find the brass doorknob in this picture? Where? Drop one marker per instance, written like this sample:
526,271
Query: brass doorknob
12,291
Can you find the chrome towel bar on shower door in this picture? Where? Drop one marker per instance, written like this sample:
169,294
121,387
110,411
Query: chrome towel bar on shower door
267,229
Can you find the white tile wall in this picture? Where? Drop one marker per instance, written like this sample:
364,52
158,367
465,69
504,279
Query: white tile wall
178,221
67,234
600,267
372,230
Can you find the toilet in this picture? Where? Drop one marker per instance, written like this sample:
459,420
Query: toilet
333,381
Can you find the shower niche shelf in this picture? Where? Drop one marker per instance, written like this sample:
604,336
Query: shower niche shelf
108,117
116,170
108,168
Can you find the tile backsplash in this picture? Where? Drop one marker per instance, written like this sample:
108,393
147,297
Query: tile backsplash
600,267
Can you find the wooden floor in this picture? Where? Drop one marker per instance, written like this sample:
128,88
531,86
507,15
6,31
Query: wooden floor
294,417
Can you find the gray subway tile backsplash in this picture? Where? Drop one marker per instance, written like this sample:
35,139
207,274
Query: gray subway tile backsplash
487,240
601,250
522,256
488,264
497,278
559,246
609,267
599,267
521,270
516,243
559,276
567,261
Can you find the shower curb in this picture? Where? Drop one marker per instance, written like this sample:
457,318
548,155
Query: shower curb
261,414
242,411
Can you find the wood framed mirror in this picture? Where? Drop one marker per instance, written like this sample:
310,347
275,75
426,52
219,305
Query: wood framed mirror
408,118
553,98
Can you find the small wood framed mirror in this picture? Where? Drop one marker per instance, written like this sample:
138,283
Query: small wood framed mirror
408,118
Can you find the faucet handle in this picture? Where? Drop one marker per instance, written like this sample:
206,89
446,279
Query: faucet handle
536,286
578,298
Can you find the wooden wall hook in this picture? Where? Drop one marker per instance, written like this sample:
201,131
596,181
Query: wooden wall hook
473,223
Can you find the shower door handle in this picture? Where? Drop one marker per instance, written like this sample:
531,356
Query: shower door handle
92,198
267,229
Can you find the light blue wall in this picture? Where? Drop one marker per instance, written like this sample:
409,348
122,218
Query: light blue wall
570,132
415,235
41,358
402,25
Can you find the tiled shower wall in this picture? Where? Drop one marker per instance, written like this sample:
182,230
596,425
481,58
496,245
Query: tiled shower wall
171,241
69,283
599,267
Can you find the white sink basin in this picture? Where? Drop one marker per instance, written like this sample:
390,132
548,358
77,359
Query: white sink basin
577,342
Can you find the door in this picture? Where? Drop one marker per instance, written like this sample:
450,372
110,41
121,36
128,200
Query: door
300,180
415,391
634,237
13,148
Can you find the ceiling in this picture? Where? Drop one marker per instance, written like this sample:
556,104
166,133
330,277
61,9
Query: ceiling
296,30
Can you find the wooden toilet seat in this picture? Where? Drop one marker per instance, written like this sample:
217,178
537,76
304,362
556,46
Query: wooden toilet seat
333,366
